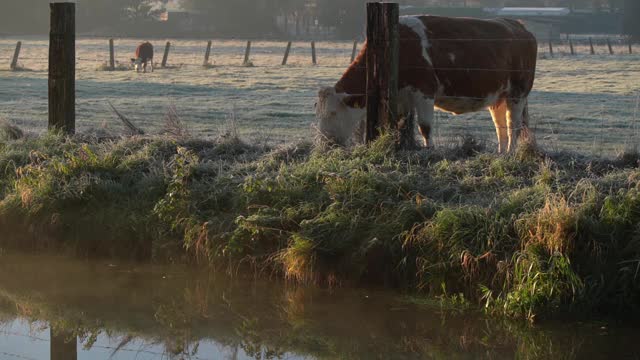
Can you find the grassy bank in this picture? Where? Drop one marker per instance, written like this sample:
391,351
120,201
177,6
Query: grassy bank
525,235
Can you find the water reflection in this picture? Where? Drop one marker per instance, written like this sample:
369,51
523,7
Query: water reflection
57,308
64,344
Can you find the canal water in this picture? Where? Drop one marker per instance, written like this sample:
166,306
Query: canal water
60,308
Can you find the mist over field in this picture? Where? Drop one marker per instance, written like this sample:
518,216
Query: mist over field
341,19
167,204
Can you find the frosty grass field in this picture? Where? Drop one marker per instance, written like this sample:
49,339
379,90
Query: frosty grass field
584,103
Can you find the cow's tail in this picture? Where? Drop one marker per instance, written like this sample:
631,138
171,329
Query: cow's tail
526,132
525,114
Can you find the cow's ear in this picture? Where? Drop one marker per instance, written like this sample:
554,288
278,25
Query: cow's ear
354,101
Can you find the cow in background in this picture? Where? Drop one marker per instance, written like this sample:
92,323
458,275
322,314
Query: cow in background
458,65
144,56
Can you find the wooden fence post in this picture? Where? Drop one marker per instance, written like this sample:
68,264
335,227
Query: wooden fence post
112,56
354,51
573,51
550,47
247,53
610,47
207,53
630,47
593,51
16,56
313,53
286,54
62,68
165,57
382,68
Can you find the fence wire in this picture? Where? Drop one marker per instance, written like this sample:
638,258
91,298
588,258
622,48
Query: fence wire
583,100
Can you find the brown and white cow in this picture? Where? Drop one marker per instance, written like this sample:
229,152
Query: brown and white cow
144,55
458,65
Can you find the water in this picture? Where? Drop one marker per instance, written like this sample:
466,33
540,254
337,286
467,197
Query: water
59,308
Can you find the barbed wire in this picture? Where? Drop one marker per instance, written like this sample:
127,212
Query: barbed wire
411,67
542,42
226,61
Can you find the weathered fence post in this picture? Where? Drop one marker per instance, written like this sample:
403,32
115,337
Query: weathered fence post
382,68
313,53
112,57
207,53
286,54
16,56
550,46
165,57
62,68
593,51
247,53
573,51
610,47
354,51
630,47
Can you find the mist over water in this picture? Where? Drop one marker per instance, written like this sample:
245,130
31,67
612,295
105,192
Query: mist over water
138,311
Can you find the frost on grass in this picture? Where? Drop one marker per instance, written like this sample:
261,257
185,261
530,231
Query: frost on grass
9,131
118,66
585,103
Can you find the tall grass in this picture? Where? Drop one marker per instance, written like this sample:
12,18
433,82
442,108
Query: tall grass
527,235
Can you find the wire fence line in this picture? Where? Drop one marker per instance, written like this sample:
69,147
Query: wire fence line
404,67
576,102
568,46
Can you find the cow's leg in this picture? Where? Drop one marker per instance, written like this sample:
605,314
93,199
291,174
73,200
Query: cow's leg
144,67
515,120
151,64
499,115
425,110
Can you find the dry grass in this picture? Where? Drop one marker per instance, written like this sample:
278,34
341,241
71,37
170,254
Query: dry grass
105,66
174,126
554,226
10,131
132,129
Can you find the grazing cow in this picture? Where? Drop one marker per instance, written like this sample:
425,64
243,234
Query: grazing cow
458,65
144,55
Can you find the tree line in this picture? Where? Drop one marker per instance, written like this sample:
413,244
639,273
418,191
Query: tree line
253,17
32,16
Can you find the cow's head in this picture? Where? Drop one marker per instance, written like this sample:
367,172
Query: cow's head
137,64
340,116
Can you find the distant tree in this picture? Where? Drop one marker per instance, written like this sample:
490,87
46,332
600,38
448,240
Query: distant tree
632,19
239,17
347,16
24,16
137,10
117,15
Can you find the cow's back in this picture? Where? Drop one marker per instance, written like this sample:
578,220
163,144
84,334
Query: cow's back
461,62
466,60
144,51
501,46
